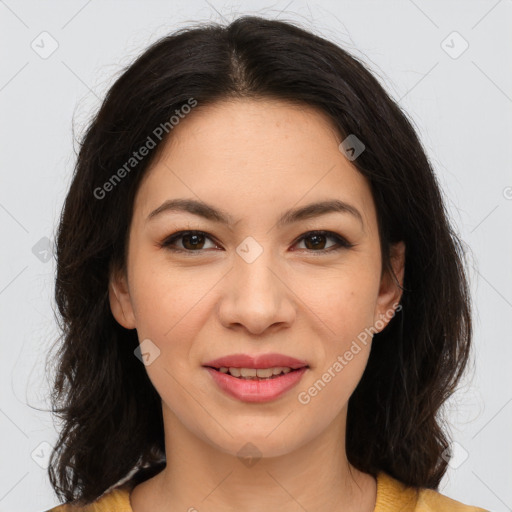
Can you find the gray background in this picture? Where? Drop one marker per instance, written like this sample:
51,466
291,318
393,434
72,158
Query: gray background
460,103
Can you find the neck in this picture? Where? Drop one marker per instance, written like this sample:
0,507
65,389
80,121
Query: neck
314,477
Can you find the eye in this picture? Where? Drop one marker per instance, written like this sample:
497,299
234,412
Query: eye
315,241
194,241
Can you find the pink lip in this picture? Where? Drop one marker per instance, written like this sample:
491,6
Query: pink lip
259,361
261,390
256,390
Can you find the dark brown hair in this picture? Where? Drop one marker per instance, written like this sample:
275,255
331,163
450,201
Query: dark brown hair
112,429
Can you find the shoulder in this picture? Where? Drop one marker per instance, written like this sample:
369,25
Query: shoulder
116,500
433,501
394,496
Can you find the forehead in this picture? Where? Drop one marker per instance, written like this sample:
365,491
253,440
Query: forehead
245,155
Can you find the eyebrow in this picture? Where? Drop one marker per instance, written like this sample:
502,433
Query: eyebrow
291,216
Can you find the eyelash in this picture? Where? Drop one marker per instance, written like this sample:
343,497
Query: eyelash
342,242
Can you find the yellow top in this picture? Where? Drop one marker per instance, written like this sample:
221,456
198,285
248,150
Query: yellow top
392,496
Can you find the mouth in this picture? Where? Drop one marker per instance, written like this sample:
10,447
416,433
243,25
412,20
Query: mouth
256,378
258,374
255,385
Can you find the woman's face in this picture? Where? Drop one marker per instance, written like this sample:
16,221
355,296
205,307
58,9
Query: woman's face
255,285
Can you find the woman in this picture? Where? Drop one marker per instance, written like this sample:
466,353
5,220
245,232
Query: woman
263,302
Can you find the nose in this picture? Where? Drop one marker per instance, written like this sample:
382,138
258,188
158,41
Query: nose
256,296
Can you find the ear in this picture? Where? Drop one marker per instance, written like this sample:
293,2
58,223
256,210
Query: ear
390,291
120,301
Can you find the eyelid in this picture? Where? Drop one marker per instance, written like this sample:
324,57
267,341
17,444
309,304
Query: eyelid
342,242
166,243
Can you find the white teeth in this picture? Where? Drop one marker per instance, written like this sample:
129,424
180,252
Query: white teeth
235,372
264,373
247,372
261,373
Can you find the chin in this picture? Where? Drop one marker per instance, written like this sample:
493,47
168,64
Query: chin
251,448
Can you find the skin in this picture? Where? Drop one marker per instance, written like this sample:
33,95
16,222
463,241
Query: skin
254,159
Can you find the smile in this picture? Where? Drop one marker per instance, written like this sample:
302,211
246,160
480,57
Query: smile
256,384
256,373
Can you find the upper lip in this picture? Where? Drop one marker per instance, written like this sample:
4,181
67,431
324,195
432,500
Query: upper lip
257,361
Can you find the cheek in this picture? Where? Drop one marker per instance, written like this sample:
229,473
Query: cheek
344,302
343,299
167,302
170,309
349,308
349,315
345,347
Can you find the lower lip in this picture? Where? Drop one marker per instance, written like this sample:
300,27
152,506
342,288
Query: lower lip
256,390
